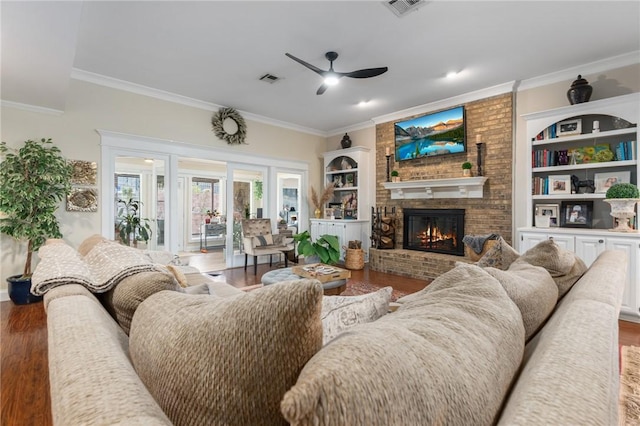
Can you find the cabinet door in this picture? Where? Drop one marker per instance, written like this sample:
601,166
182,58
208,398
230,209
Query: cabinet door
589,248
631,295
529,239
566,242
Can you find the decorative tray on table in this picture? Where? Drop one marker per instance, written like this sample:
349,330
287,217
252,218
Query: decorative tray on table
321,272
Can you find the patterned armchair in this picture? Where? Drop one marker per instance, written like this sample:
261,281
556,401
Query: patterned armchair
258,240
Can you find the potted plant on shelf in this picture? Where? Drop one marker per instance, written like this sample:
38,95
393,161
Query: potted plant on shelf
130,227
466,169
395,176
326,249
622,197
33,181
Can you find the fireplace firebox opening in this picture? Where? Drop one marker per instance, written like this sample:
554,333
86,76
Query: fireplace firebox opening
434,230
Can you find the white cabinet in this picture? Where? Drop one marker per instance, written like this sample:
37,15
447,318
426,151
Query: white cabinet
345,230
588,244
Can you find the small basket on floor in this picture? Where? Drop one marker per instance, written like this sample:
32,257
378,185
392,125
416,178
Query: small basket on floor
354,259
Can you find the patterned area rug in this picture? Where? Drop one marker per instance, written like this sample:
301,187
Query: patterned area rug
355,288
630,386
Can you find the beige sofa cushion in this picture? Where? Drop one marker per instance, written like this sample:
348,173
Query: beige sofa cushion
563,265
533,291
340,313
212,361
446,358
499,256
123,299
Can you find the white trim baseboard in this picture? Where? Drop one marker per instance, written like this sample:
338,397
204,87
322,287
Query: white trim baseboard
4,295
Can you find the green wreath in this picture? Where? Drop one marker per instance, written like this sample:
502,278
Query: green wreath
218,120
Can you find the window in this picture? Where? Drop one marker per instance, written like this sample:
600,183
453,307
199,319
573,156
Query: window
205,198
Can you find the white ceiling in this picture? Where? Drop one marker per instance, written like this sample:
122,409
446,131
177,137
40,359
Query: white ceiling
215,51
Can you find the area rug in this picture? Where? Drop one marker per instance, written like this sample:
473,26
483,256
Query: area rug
629,386
356,288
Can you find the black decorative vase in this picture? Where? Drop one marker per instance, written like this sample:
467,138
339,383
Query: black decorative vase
346,141
20,290
580,91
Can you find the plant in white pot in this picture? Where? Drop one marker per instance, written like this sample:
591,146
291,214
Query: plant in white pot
466,169
622,197
34,179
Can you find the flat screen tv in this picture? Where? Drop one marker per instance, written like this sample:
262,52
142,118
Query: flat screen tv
438,133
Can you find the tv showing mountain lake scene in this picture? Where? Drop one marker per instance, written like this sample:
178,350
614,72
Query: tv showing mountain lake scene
440,133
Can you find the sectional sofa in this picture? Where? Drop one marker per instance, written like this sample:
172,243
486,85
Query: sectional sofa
528,340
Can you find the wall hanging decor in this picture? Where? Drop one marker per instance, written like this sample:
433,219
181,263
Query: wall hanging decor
82,200
229,125
84,172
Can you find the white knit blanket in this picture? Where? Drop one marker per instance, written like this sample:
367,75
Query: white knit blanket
100,270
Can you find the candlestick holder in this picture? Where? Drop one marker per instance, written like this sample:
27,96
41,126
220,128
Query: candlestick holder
388,167
479,155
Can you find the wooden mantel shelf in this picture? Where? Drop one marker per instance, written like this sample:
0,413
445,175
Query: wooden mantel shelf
465,187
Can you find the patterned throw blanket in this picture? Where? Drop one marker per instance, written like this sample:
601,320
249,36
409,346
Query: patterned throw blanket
100,270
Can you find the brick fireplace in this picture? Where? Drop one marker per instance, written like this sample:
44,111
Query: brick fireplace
491,119
434,230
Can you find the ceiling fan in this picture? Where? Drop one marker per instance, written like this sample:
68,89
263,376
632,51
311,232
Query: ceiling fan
332,77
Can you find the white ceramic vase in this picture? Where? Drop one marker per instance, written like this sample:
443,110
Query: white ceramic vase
622,209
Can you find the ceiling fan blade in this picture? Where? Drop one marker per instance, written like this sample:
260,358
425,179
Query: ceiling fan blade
306,64
365,73
322,89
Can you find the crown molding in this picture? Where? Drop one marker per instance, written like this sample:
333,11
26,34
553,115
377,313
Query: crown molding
607,64
139,89
30,108
446,103
351,128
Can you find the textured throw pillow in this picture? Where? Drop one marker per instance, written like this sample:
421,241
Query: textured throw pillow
226,361
446,358
533,291
263,240
340,313
123,299
563,265
178,274
500,256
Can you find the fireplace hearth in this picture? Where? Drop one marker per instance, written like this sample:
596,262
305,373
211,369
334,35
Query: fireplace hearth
434,230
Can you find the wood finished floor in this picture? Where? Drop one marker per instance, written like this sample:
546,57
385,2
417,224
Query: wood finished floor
24,381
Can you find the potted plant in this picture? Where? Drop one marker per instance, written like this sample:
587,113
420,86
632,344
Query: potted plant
466,169
33,181
395,176
325,249
622,197
130,227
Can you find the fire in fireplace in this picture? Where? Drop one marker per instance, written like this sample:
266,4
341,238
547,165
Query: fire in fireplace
434,230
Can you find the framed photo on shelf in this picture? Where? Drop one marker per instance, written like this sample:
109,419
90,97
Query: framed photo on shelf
328,213
603,181
559,184
337,210
576,214
349,214
546,215
569,127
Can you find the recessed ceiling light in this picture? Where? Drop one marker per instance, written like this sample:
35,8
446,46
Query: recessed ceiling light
452,74
363,104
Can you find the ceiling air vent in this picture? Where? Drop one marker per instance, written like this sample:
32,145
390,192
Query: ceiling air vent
402,7
269,78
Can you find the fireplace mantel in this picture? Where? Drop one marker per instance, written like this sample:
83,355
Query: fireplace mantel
465,187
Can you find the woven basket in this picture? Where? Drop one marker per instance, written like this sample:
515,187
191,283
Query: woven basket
471,254
354,259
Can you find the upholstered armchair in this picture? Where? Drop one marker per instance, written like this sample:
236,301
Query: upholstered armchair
258,240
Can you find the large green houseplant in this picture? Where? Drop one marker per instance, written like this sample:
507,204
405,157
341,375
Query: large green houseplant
326,248
34,179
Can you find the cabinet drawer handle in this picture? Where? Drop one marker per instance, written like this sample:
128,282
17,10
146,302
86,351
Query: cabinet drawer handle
601,241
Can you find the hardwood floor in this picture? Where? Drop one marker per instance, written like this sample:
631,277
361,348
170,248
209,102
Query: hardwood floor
24,382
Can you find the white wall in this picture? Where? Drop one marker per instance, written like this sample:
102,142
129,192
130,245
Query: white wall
90,107
606,84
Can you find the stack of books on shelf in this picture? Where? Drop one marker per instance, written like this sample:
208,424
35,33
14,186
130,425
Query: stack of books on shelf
540,186
548,133
545,158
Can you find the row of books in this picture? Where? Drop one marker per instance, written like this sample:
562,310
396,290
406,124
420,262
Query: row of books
588,154
540,186
548,133
626,151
